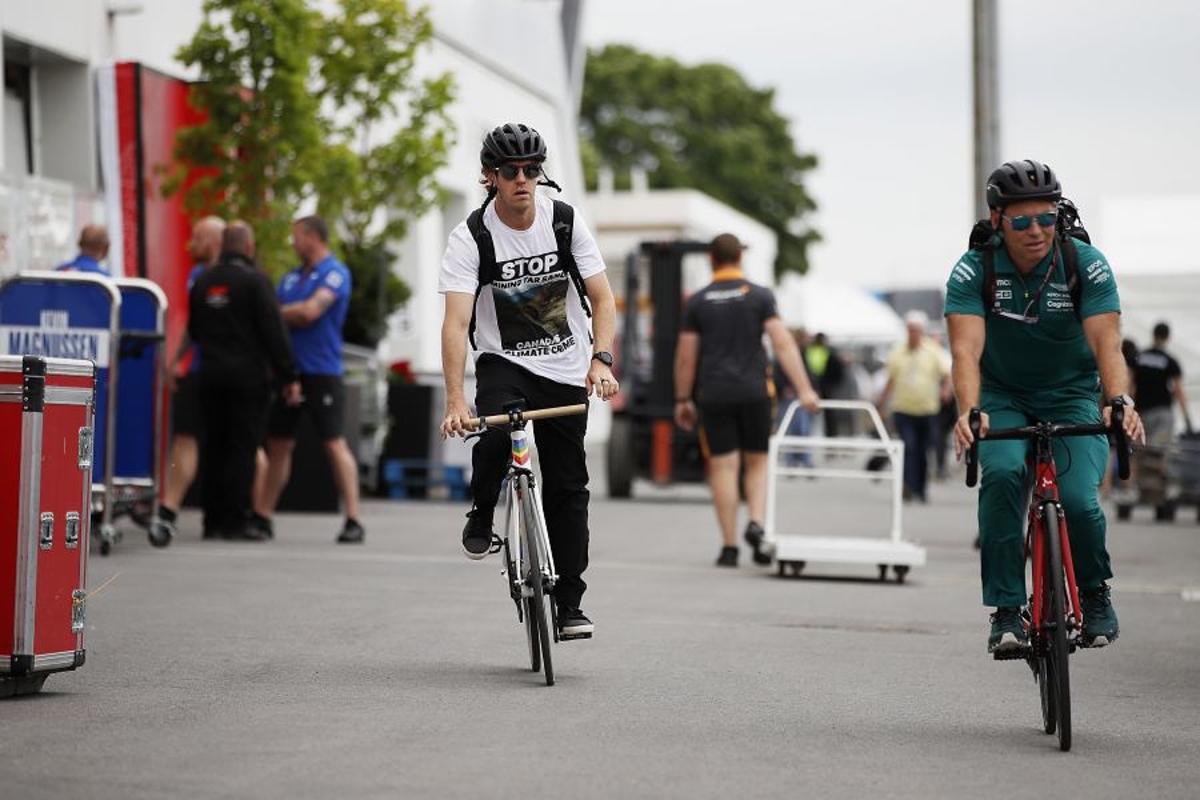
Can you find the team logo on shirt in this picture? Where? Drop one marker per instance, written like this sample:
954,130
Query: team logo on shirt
217,296
530,295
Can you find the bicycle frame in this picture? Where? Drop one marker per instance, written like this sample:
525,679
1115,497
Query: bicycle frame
523,497
1045,490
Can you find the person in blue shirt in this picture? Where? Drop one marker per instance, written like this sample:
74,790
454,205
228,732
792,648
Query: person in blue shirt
93,248
314,298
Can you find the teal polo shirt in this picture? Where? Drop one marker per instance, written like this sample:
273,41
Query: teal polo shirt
1045,350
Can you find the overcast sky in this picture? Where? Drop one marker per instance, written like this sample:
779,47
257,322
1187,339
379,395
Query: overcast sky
1106,91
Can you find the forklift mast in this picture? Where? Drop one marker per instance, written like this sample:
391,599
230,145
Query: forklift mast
645,441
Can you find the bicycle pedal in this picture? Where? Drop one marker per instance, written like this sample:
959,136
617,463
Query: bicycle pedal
1011,654
497,545
567,637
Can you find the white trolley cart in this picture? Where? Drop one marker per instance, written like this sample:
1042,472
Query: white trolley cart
794,551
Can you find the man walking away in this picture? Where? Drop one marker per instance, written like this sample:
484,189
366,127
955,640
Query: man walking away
720,382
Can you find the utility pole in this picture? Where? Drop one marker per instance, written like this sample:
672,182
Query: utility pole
987,99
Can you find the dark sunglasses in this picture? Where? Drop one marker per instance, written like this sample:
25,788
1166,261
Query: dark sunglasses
509,171
1023,222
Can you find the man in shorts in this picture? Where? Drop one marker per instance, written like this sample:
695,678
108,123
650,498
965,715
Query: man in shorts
721,381
314,297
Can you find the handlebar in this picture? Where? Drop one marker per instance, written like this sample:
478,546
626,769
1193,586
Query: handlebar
1115,431
521,415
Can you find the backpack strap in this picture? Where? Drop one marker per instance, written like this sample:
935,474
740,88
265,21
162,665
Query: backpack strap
487,261
988,289
564,229
1071,270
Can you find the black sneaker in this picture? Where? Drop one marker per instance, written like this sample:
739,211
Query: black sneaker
352,533
573,624
161,532
755,536
1008,634
728,557
477,535
1100,626
261,523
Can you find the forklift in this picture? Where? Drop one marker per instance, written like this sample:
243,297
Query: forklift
645,441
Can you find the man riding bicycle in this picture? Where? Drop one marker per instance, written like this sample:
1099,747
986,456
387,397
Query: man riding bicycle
527,321
1023,352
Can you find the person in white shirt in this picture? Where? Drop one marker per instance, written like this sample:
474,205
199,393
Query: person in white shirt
525,314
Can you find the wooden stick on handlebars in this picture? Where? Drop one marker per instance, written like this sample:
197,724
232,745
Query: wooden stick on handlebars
537,413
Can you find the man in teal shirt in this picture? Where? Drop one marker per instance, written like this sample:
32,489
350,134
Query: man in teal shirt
1032,356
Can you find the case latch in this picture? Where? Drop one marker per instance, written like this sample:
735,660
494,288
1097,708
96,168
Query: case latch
46,540
72,537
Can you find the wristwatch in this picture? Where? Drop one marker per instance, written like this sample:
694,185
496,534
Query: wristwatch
604,357
1123,399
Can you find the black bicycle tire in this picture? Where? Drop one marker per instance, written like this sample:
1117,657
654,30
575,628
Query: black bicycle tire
534,579
1056,643
531,635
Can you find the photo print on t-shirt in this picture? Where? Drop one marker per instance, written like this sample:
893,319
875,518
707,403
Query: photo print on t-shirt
531,306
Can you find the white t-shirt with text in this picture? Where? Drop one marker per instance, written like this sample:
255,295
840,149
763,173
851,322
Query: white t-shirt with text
531,313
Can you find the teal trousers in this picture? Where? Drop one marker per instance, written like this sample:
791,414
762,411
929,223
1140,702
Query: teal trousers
1005,482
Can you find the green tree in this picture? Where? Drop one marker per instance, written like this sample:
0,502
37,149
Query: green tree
297,106
698,127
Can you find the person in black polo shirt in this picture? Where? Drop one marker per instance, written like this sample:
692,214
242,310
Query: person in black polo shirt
721,382
236,324
1159,381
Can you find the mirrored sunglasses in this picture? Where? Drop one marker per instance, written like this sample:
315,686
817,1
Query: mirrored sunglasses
1023,222
509,171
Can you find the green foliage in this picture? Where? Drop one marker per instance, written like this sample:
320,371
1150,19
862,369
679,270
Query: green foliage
303,106
698,127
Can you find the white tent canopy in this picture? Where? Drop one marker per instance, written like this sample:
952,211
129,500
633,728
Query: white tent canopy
845,313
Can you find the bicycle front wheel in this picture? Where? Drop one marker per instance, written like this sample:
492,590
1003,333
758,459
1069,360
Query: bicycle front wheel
535,609
1054,627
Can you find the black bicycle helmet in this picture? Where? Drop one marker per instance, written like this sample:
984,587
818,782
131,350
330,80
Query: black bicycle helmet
512,142
1015,181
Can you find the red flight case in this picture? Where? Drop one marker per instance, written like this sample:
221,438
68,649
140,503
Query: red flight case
46,408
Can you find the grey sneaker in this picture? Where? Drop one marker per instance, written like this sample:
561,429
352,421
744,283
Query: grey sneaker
1008,632
1100,626
477,535
755,536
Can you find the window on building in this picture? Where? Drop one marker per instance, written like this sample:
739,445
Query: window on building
18,118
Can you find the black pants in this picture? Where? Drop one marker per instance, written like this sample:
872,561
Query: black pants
234,420
560,453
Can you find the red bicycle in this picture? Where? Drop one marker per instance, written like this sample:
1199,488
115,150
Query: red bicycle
1054,616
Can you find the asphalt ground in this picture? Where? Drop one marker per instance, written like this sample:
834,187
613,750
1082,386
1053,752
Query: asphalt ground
300,668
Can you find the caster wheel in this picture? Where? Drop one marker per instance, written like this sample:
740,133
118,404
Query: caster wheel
797,568
901,571
781,568
1124,512
883,572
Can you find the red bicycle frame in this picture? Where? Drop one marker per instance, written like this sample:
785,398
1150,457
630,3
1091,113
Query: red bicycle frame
1046,491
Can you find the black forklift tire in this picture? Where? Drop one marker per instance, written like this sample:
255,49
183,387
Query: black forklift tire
620,462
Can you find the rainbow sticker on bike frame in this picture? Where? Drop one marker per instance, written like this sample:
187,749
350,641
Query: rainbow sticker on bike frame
520,451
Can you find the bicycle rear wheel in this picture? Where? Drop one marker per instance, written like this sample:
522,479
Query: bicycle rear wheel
1054,627
535,609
